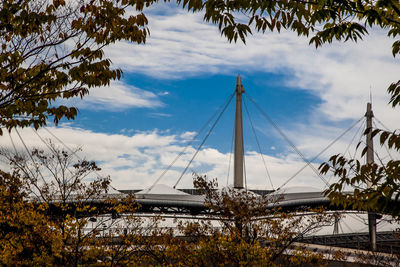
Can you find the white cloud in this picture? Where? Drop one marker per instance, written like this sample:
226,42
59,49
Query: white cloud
136,161
117,96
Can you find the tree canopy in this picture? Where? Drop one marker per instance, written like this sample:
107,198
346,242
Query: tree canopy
382,194
40,225
52,50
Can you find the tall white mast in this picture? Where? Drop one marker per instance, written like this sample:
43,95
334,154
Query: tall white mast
370,159
239,150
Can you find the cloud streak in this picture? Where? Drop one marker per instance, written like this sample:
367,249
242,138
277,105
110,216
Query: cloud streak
118,96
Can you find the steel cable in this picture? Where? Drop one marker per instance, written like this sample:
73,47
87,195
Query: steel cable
258,144
204,140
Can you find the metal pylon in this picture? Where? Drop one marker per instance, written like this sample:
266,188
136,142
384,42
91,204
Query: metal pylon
239,149
370,160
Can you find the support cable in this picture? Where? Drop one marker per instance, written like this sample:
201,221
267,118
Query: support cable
376,155
319,154
43,141
387,129
230,155
205,138
385,145
13,144
49,147
348,227
59,140
190,142
357,219
268,176
28,170
245,173
289,142
74,153
341,228
33,161
359,142
381,123
352,140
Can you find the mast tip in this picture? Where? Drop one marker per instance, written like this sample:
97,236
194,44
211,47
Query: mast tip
238,80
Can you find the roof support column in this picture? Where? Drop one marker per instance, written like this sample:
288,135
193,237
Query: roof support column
239,150
370,159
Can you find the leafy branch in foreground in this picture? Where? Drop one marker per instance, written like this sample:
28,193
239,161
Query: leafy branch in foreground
325,21
49,214
383,179
52,50
248,231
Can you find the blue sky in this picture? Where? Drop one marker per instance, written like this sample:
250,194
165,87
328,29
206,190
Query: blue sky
186,70
187,104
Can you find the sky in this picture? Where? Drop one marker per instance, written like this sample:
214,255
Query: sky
173,84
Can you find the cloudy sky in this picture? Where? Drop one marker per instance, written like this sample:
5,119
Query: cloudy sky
174,84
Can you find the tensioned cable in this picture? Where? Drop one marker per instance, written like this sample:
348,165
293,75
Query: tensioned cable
17,154
356,218
375,154
190,142
352,140
54,151
16,151
288,141
359,141
48,146
341,228
384,145
258,144
59,140
230,155
27,150
30,155
348,227
205,138
43,141
319,154
13,144
74,153
387,129
245,172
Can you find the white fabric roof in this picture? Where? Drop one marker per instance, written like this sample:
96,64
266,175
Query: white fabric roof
161,189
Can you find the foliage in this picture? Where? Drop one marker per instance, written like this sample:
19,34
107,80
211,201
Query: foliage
53,50
39,225
248,231
48,214
25,235
329,20
383,179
